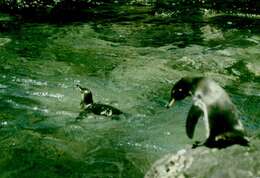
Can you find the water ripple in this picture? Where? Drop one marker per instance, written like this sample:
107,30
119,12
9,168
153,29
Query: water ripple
22,106
3,86
29,81
47,94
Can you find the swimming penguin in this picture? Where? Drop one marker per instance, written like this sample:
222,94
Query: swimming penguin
210,101
87,104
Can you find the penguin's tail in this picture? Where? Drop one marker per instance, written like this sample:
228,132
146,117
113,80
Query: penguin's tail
244,141
227,140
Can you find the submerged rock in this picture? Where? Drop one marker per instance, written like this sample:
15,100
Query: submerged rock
235,162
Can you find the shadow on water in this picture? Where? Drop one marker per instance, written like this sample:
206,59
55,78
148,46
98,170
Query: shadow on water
138,29
181,31
155,32
226,22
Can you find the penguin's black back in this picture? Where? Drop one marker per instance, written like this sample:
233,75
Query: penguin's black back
103,109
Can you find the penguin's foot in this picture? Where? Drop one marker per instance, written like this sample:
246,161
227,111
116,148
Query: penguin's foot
220,137
208,143
223,141
232,138
211,143
197,144
244,141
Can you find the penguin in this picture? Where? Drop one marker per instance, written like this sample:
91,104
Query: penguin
88,106
211,102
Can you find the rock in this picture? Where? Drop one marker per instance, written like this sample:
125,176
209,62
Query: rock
234,162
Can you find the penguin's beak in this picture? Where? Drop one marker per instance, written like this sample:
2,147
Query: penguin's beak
80,88
171,102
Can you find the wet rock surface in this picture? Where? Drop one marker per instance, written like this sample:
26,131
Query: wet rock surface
235,161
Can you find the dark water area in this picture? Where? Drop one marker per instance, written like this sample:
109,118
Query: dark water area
130,62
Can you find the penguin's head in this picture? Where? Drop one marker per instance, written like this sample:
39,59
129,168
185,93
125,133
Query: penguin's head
86,95
180,90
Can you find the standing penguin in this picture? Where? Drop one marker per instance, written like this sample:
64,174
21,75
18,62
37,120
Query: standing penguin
210,101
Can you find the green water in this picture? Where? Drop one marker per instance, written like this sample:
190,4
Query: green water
130,64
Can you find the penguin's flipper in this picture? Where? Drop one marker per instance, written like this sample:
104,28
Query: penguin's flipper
192,119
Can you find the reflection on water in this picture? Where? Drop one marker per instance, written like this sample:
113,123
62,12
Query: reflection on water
128,64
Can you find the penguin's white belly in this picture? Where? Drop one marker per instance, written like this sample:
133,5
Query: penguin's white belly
201,104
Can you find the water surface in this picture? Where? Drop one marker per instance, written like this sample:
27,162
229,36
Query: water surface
130,64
